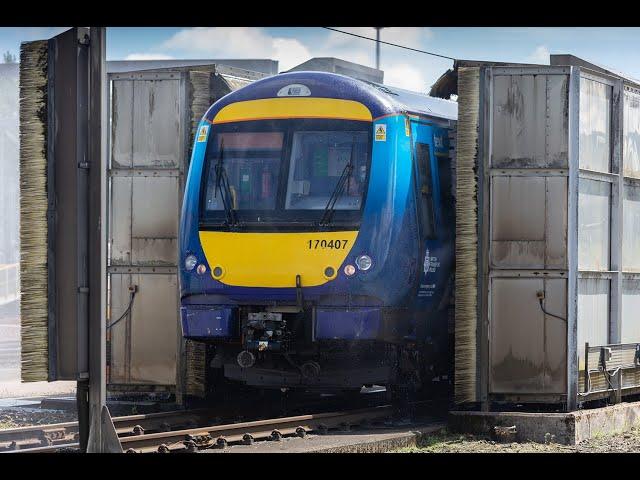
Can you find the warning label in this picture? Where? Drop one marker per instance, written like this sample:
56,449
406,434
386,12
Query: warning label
202,133
381,132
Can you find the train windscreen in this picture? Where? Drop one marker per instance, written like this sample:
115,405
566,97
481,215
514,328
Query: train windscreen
286,171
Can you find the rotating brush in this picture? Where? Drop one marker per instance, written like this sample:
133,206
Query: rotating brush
33,210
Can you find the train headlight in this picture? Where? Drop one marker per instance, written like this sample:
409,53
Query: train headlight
349,270
364,262
190,262
202,269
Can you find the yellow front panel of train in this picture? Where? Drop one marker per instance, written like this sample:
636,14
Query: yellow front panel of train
274,259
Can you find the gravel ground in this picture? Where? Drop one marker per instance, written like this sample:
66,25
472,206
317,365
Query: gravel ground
23,417
445,442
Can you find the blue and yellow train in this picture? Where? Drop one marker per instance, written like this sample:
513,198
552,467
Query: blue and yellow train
316,240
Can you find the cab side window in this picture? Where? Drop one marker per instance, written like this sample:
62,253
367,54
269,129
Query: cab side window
425,190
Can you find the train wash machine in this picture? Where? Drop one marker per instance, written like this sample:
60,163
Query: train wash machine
548,256
62,211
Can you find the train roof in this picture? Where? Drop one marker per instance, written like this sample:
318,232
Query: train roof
381,100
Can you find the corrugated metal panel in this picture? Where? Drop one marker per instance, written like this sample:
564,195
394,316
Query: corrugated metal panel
537,238
595,125
593,313
631,229
631,132
530,123
594,212
630,328
528,348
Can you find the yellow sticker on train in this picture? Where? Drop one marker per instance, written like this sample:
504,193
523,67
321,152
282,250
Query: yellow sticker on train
202,133
381,132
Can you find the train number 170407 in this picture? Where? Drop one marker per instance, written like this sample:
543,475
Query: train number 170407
335,244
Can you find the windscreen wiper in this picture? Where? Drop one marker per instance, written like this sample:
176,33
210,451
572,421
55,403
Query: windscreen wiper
330,208
222,183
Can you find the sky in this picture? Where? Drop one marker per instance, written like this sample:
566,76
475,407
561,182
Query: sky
290,46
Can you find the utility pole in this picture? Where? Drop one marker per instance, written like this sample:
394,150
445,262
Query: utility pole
378,46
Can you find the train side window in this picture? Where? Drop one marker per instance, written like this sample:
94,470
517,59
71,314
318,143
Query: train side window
425,190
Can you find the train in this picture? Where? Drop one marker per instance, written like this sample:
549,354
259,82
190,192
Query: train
317,235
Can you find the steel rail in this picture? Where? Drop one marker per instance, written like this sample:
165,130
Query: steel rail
65,434
198,438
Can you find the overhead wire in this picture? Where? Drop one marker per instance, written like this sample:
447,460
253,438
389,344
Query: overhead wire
389,43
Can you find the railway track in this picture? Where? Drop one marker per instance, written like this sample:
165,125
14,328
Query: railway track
59,435
135,438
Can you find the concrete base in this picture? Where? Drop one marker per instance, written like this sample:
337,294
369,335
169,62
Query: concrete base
565,428
370,440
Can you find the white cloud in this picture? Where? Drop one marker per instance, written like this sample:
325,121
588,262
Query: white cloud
540,55
148,56
405,76
238,42
401,68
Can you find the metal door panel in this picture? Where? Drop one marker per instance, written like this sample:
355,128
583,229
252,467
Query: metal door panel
529,222
154,329
527,347
147,161
530,126
154,225
157,116
122,123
